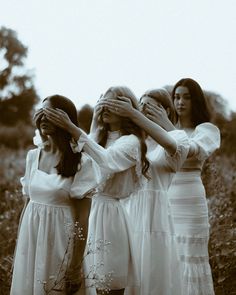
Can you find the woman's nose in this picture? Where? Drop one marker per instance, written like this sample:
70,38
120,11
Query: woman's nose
181,100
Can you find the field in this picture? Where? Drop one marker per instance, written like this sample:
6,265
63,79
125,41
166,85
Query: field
220,181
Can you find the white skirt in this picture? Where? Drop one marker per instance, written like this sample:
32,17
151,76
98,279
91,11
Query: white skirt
158,261
112,259
43,249
190,214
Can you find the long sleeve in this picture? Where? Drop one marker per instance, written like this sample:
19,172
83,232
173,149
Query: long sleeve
123,154
86,179
176,160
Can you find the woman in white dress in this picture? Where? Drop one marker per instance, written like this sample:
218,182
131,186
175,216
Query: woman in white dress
148,209
187,193
56,179
120,154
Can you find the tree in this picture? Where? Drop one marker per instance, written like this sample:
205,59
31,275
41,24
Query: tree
17,92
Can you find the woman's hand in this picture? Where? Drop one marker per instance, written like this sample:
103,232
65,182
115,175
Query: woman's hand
59,118
96,117
121,106
38,114
158,114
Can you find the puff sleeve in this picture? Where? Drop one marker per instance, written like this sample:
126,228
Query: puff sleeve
123,154
86,179
206,139
26,178
176,160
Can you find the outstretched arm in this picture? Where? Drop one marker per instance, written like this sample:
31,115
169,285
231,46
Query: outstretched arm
159,115
122,107
114,159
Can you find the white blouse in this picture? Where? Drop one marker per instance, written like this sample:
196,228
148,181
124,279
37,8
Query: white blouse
120,164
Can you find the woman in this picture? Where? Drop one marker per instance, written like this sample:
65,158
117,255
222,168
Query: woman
56,179
121,156
149,211
187,194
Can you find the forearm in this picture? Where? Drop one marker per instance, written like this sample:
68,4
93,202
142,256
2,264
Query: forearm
155,131
168,126
74,131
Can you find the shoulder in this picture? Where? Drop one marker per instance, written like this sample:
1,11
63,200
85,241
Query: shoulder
207,127
207,130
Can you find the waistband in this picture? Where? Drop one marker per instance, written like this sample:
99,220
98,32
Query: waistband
54,203
105,197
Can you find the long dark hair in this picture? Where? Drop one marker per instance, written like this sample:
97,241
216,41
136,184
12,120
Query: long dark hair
199,110
162,96
69,161
127,125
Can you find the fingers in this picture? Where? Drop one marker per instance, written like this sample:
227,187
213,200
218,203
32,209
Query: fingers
38,114
125,99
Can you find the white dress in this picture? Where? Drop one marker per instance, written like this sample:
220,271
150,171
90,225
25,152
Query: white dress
189,208
47,225
149,212
121,174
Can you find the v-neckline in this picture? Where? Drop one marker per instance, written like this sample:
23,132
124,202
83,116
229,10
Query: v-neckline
37,166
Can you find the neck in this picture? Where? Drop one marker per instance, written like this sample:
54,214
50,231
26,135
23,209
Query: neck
114,127
185,123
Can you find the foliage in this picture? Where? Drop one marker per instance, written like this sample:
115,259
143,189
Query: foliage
16,137
17,93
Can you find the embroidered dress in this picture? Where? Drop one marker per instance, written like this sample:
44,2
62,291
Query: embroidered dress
47,225
108,222
149,212
190,213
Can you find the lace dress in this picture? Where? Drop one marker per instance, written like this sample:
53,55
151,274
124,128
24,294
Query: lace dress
108,222
44,247
190,213
150,216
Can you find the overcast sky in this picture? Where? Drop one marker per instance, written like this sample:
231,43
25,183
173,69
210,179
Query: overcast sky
78,48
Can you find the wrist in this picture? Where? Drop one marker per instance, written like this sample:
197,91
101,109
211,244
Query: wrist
75,132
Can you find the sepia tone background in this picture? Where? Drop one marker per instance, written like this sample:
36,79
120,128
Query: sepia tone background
95,44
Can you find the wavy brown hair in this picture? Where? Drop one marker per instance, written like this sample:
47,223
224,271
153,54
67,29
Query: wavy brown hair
69,161
127,125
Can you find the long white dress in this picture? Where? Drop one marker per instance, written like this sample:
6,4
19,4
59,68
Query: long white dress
44,245
121,171
189,208
149,212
